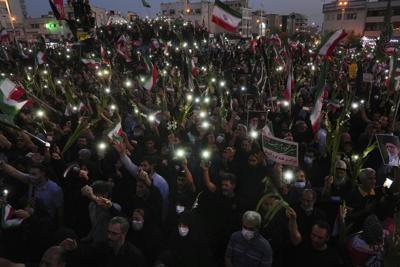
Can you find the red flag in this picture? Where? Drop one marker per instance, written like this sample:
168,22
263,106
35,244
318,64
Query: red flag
58,8
123,49
104,55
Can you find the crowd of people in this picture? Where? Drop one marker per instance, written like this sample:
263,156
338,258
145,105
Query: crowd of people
186,182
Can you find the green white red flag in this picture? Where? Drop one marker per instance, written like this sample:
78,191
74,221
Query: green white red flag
7,217
321,94
10,94
116,133
329,46
226,17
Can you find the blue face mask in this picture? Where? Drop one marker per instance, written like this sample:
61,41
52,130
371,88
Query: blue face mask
300,184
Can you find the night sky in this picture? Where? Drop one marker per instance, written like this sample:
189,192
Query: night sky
311,8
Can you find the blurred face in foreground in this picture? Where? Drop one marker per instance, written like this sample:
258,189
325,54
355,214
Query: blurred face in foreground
319,237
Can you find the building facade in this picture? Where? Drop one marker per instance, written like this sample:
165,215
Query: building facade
99,13
360,17
200,13
53,29
263,23
296,22
47,26
131,16
13,21
374,20
350,16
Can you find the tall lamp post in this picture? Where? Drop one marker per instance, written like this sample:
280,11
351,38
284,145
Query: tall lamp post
12,19
343,5
9,14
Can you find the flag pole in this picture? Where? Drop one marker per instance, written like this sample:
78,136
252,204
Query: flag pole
16,127
43,103
396,111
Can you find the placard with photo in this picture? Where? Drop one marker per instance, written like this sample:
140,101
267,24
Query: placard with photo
389,146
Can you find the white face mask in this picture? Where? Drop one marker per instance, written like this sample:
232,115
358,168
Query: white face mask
137,225
308,160
183,230
180,209
248,234
300,184
308,210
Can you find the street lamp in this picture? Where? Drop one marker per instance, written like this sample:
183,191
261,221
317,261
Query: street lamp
12,19
343,5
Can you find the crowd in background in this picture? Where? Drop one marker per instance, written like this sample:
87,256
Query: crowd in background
186,183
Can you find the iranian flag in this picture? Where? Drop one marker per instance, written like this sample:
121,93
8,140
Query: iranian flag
58,8
123,49
315,116
7,217
275,40
328,47
225,17
10,93
289,84
104,55
321,94
151,81
116,133
90,63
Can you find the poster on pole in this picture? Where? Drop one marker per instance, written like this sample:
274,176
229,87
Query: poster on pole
280,150
389,146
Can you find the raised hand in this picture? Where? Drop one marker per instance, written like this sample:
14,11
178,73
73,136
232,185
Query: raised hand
291,214
120,147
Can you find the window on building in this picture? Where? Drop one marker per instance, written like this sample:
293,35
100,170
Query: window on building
396,11
197,11
350,16
373,26
339,17
376,13
165,12
172,11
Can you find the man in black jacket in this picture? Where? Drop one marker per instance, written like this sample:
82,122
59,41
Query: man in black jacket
115,252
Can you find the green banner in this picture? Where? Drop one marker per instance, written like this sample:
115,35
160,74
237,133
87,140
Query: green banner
280,150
